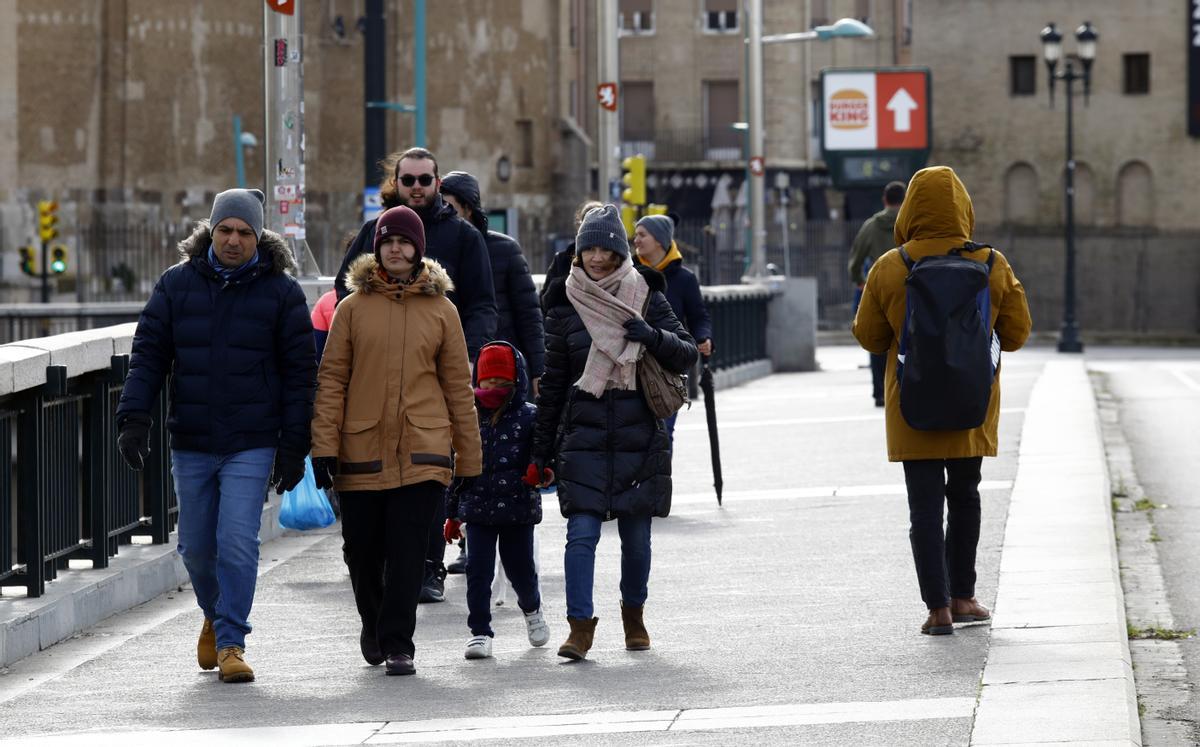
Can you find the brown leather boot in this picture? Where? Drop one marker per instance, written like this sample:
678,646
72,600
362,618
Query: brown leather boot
206,647
939,622
580,640
636,636
968,610
234,668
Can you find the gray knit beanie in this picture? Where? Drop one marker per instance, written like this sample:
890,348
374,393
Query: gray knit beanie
246,204
661,228
602,227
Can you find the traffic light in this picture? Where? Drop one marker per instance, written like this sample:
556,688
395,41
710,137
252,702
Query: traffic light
58,259
634,180
47,220
656,209
629,216
29,261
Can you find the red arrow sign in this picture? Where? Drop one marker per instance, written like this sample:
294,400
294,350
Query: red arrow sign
900,110
286,7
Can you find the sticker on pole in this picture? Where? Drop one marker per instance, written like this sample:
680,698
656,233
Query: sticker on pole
606,94
756,166
876,110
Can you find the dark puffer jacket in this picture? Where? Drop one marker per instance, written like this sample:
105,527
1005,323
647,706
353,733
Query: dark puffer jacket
499,497
520,314
683,291
460,250
614,456
240,354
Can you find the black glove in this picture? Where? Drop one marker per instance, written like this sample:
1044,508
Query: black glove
461,485
133,440
288,471
324,468
637,330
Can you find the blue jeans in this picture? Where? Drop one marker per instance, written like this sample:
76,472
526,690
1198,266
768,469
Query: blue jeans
220,509
670,423
579,561
516,553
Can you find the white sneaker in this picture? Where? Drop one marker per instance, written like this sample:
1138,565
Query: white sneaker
480,647
539,631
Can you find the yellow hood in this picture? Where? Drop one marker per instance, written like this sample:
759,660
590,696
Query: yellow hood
937,213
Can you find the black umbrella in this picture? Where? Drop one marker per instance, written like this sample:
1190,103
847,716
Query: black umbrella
710,414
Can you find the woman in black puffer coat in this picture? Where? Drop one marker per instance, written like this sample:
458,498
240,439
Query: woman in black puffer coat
611,455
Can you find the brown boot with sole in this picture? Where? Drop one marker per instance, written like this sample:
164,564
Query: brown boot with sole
234,668
206,647
637,638
580,640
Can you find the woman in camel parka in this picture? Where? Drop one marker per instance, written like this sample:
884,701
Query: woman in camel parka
395,422
940,467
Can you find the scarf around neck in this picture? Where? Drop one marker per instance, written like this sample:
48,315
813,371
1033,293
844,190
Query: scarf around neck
604,306
670,256
229,274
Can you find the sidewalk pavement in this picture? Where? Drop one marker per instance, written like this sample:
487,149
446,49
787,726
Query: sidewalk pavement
788,616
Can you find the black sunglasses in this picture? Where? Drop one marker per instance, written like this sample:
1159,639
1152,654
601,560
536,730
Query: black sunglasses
424,179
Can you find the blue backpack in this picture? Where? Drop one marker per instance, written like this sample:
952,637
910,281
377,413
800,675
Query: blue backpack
949,353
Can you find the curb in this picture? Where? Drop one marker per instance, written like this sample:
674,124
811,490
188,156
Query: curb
81,598
1058,667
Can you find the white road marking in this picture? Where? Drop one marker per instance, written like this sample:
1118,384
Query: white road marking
1178,373
531,726
833,491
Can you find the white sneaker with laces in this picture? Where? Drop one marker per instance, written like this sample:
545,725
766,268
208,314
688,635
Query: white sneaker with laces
479,647
539,631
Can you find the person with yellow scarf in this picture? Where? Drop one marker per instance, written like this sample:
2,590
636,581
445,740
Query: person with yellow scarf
654,241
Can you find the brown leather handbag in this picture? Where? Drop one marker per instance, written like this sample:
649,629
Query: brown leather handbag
664,392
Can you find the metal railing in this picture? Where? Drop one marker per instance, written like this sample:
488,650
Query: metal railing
739,320
65,491
24,321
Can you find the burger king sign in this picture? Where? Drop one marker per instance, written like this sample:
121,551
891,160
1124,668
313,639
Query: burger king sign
870,110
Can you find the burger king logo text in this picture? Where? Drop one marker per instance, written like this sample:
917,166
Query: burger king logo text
849,110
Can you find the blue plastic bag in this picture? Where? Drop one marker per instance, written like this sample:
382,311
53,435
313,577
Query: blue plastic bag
305,506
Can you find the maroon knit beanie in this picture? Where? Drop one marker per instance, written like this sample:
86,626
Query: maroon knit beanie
401,221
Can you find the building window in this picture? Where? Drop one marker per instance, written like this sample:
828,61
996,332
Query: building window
1137,73
819,11
525,143
1135,195
1022,75
637,111
635,16
721,141
1021,194
720,16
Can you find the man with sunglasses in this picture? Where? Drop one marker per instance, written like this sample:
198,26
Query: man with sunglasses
412,180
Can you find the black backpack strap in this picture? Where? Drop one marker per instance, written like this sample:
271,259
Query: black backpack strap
908,261
991,258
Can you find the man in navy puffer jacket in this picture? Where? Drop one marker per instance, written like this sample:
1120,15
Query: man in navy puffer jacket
231,327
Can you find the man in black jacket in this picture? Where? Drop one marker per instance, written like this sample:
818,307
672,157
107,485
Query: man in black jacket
520,314
231,327
454,243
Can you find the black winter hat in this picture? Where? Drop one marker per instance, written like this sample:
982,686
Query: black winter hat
602,227
464,187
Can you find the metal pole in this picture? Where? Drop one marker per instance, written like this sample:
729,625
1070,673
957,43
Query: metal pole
238,159
419,72
374,89
608,70
754,74
783,218
1068,341
45,271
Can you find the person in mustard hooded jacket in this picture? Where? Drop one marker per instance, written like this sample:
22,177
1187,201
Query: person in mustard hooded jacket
395,422
940,467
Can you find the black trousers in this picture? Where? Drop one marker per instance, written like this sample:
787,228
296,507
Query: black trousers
945,560
435,552
384,534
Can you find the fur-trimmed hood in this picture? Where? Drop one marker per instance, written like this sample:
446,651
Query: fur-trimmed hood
270,245
556,291
363,276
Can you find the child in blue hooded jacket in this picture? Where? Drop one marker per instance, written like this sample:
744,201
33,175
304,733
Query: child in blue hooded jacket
502,507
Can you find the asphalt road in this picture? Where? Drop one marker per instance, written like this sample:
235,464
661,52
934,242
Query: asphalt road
800,591
1158,393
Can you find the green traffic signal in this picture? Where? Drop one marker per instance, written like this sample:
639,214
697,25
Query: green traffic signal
58,259
28,261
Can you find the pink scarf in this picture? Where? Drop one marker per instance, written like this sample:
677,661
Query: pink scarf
604,306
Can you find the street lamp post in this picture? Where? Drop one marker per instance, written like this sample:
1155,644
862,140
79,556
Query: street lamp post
845,28
1085,37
